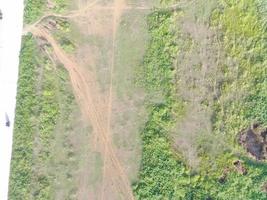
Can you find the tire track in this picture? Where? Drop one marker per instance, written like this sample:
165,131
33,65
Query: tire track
118,8
84,93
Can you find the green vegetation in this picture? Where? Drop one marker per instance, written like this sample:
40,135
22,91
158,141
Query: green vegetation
44,100
47,121
157,71
61,5
244,42
64,33
67,45
33,10
230,97
47,117
162,174
21,172
36,115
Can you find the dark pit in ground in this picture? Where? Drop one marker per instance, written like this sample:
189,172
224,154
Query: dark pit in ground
253,140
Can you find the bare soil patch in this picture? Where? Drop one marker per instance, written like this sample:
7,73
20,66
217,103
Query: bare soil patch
113,148
254,141
90,107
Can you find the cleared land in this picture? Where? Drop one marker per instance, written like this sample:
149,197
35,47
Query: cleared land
94,67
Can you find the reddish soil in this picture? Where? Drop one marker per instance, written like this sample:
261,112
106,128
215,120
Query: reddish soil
96,106
90,102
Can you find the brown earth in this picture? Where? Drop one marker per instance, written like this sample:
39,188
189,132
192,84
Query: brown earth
254,141
95,105
91,106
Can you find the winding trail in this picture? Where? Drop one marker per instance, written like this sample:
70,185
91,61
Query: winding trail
87,96
85,88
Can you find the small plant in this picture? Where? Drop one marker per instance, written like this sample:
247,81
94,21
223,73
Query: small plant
33,10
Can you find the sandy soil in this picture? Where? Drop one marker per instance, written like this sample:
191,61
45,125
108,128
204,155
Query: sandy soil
95,105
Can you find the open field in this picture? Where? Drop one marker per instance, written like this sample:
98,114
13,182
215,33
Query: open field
87,46
140,100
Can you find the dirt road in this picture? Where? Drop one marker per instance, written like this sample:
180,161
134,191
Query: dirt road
96,106
117,12
90,102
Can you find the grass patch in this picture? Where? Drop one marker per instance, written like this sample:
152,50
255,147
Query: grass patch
33,10
128,109
48,131
243,40
131,43
63,32
25,124
233,91
162,175
61,5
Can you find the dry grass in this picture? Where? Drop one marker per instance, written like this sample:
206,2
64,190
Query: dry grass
109,39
